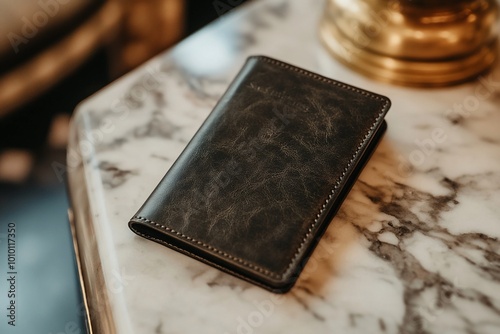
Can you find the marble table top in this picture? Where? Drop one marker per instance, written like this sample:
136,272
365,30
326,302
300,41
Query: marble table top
415,247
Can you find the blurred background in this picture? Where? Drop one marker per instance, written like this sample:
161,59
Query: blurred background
54,54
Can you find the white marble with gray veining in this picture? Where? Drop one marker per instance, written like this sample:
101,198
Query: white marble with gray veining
414,249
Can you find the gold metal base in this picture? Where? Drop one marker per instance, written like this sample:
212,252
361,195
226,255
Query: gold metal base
408,72
408,44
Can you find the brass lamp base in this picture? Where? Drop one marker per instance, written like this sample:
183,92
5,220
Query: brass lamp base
403,43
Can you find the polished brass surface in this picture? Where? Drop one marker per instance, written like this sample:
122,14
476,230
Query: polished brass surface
97,304
419,42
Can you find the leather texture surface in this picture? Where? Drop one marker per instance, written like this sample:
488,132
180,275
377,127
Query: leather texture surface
259,182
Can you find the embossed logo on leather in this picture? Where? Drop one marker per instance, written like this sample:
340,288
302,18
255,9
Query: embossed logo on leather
283,97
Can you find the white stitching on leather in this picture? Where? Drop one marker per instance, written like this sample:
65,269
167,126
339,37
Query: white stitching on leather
199,258
246,263
327,201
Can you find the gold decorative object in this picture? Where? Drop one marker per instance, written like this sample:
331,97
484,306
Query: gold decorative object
413,42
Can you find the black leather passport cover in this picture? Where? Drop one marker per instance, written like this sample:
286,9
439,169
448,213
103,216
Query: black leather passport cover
259,182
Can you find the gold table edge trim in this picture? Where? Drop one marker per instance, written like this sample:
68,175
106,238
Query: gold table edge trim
99,316
80,269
